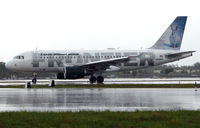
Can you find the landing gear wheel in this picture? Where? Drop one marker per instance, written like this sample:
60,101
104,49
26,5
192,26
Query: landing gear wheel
92,79
100,79
34,80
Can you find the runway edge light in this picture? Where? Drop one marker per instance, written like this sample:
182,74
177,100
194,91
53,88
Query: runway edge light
195,86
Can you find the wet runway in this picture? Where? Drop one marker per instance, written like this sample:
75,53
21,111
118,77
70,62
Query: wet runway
19,99
109,81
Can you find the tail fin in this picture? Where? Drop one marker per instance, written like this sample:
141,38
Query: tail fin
172,37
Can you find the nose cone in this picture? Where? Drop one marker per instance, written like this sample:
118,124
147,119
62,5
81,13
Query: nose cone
8,66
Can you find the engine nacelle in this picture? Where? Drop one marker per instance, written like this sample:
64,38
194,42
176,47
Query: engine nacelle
73,72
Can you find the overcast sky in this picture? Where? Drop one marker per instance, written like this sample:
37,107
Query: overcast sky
93,24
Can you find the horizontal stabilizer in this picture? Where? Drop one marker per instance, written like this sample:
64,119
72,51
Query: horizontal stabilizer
179,54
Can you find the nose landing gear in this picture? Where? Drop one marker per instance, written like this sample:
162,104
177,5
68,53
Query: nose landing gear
34,80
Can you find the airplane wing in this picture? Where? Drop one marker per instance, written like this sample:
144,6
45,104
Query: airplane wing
179,54
105,64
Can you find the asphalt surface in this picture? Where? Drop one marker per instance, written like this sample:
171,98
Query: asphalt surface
108,81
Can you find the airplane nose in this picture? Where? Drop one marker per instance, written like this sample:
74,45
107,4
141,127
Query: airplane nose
8,65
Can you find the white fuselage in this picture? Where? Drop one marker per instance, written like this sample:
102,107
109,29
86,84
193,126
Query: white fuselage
56,61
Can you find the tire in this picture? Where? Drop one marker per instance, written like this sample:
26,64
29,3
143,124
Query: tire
34,80
93,79
100,79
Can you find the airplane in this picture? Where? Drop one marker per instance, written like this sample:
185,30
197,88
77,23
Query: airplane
75,64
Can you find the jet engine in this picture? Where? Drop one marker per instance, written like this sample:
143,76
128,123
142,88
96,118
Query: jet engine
73,72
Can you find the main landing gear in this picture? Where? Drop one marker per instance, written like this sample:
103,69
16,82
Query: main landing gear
34,80
98,79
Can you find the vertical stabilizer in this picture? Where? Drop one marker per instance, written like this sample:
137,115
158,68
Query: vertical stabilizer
171,39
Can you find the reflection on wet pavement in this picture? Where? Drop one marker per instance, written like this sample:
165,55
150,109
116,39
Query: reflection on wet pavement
117,99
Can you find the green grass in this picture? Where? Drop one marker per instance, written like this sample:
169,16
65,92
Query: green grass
157,119
110,86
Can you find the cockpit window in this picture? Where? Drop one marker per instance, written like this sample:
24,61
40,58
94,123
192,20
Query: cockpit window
19,57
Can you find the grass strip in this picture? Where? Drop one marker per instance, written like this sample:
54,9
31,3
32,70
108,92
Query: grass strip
107,119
